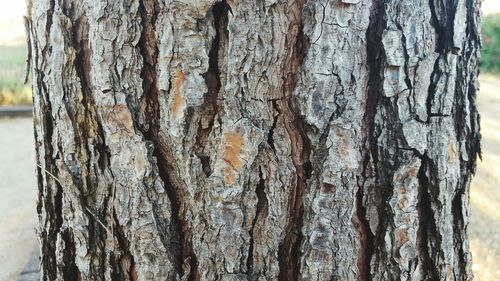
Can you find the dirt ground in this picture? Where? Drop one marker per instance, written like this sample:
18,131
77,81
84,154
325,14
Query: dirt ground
17,196
18,192
484,227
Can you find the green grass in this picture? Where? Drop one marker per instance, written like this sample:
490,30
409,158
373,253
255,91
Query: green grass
12,72
490,53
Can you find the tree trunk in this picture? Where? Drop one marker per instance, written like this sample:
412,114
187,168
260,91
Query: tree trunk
255,140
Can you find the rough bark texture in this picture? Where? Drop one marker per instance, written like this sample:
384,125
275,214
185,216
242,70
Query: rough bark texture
255,140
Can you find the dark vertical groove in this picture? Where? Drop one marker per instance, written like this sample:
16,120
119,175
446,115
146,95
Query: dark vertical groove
179,242
270,134
70,270
465,91
365,237
148,47
296,48
86,140
261,211
50,13
81,44
468,70
124,246
178,245
210,108
443,14
212,77
58,208
459,227
427,228
375,57
48,201
431,92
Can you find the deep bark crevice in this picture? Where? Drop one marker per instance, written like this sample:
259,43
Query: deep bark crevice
82,64
406,58
465,92
468,91
181,243
46,200
90,143
123,247
261,211
117,273
443,19
50,13
69,269
375,57
427,231
210,107
459,227
296,48
366,238
270,134
148,47
132,272
431,92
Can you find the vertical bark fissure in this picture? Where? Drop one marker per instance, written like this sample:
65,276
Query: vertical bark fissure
69,269
48,201
461,188
465,92
270,134
148,47
296,47
261,210
426,220
443,19
181,244
408,81
90,137
459,226
80,42
431,92
472,45
369,150
365,236
50,13
212,77
124,245
375,58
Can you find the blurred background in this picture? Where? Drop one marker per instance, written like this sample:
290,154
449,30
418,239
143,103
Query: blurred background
18,222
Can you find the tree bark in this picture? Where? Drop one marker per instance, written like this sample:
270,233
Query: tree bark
255,140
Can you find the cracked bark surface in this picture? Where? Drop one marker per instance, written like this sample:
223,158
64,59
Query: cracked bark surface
255,140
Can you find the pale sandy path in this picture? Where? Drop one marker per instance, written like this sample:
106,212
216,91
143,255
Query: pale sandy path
484,228
491,7
17,196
